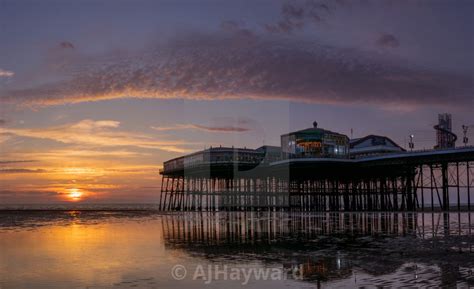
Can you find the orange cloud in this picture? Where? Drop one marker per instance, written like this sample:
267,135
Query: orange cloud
101,133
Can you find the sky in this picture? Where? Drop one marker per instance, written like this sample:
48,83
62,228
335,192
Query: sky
95,95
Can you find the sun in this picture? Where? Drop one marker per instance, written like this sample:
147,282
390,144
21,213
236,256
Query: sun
75,194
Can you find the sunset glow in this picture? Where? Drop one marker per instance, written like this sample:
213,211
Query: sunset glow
91,114
236,144
75,194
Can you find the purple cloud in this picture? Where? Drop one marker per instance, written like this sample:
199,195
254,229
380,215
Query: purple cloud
387,41
224,128
213,66
296,14
66,45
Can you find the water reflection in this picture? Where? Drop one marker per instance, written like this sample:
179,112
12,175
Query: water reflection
137,249
327,247
249,228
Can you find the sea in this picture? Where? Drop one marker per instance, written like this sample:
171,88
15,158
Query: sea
137,246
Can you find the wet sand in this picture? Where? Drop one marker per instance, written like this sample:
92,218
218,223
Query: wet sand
139,249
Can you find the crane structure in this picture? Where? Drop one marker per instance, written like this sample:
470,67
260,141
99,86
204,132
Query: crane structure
445,138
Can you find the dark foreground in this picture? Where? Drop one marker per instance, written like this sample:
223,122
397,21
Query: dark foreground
147,249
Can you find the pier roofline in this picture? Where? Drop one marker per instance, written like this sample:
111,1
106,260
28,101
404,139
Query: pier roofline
453,154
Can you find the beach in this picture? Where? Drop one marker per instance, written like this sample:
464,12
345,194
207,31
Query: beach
150,249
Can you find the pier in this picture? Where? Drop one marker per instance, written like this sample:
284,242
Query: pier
409,181
317,170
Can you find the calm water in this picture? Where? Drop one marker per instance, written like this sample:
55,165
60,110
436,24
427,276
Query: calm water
146,249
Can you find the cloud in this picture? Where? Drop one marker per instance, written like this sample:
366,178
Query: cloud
15,196
85,153
77,154
223,129
212,66
238,34
16,193
387,41
297,14
6,73
21,171
139,170
11,162
89,124
66,45
100,133
4,137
